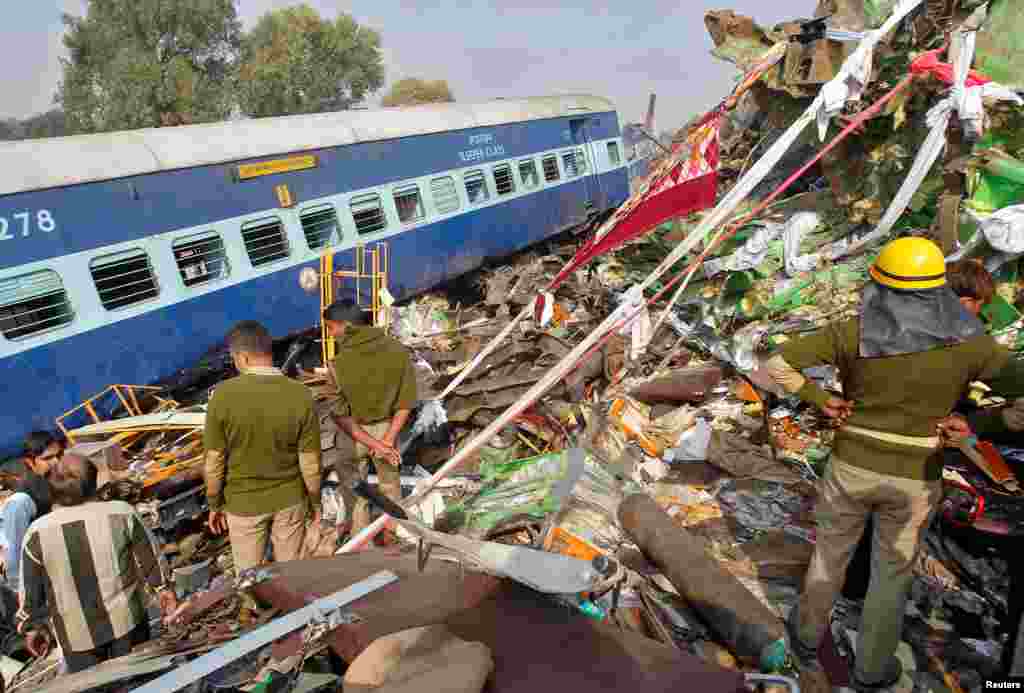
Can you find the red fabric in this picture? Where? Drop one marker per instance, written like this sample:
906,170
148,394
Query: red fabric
929,64
676,194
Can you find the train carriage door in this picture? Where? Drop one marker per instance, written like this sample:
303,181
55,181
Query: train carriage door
591,182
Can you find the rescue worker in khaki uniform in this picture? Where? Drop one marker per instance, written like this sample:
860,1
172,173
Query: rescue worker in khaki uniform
376,393
904,363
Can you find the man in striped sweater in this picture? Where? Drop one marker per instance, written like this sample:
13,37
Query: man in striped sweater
83,569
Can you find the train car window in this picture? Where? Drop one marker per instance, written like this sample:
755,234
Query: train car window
528,173
550,164
476,187
368,213
123,279
200,257
581,161
613,153
320,226
265,241
33,303
446,197
409,204
569,161
503,180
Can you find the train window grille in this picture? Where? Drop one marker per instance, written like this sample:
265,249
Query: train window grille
33,303
409,204
476,187
200,258
613,153
320,226
265,241
528,173
504,183
123,279
368,214
569,161
550,164
581,161
446,196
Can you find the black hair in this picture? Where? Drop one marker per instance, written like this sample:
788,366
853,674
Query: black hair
70,486
36,443
250,337
346,310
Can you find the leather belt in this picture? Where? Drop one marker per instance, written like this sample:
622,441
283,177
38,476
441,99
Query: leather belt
929,443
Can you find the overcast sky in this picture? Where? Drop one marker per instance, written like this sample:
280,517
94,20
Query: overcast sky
623,50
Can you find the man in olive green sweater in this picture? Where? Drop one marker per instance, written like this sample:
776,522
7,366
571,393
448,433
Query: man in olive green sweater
262,444
376,393
904,363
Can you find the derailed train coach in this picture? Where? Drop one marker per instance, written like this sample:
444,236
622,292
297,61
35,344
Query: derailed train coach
124,257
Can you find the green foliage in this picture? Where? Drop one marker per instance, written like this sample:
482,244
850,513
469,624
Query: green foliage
412,91
293,61
149,63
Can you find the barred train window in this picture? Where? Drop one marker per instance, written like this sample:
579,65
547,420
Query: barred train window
569,161
528,173
409,204
581,161
33,303
550,164
368,213
265,241
613,153
446,197
200,257
476,187
503,180
320,226
123,279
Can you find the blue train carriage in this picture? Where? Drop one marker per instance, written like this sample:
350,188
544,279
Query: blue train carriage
126,256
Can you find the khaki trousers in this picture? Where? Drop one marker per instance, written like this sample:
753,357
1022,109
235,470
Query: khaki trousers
902,509
351,465
286,530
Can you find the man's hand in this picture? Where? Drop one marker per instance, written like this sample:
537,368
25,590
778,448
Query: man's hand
953,430
168,602
387,453
38,643
838,410
218,522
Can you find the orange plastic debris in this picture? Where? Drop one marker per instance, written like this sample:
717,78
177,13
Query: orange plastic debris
745,392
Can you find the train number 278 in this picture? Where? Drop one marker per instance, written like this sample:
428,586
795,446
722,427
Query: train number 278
23,221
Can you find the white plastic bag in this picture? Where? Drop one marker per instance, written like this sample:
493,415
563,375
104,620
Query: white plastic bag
693,443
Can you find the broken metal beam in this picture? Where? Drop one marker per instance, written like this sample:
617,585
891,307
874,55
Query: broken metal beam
211,662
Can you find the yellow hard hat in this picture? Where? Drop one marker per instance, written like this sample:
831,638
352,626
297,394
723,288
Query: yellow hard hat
910,264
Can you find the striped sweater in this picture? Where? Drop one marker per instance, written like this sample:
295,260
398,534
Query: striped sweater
82,569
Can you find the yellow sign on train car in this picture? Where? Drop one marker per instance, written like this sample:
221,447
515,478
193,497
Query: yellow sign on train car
267,168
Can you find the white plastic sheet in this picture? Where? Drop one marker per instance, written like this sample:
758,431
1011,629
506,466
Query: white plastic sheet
798,226
1004,230
752,254
693,444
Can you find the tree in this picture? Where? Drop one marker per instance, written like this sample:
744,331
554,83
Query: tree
412,91
295,62
49,124
149,63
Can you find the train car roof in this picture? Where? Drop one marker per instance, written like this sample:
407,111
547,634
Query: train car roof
60,161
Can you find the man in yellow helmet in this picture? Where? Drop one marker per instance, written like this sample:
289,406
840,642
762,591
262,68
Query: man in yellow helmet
904,362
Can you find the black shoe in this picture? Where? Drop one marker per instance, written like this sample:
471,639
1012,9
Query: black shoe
891,679
806,656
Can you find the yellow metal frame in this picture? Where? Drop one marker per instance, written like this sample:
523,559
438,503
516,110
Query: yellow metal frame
128,394
379,263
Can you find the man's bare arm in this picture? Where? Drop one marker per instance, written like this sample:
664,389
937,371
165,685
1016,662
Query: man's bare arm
215,471
397,423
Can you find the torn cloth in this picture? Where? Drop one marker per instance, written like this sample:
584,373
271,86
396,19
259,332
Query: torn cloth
893,323
744,460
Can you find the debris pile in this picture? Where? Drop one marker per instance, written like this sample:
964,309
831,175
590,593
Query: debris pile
666,477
